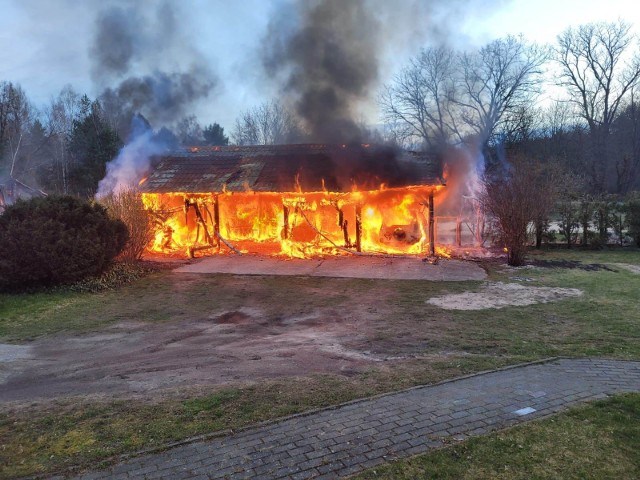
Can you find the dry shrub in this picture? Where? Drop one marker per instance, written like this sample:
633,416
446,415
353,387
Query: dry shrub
127,206
516,197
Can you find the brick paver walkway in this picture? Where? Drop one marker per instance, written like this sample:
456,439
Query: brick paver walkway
347,439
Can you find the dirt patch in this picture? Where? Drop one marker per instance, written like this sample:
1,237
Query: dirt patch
10,354
500,295
629,267
192,331
129,359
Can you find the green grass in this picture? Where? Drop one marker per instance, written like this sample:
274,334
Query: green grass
437,344
597,441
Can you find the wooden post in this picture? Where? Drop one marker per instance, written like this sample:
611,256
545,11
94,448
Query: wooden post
344,226
345,234
201,220
285,216
432,233
216,219
358,227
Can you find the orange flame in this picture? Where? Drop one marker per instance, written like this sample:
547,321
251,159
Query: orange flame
295,224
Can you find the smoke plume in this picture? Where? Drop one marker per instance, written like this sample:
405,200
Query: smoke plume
134,160
327,55
146,66
329,63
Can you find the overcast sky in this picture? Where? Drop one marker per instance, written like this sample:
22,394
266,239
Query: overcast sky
45,44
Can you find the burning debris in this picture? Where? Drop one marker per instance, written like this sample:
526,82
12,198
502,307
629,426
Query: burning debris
295,200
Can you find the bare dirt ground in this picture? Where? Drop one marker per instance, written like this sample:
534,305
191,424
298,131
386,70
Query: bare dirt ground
221,330
500,295
136,358
234,329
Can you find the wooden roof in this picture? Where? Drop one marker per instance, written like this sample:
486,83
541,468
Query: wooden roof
281,168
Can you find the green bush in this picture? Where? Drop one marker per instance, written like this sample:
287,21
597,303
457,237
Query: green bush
633,219
56,240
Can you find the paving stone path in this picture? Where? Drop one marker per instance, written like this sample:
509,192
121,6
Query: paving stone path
347,439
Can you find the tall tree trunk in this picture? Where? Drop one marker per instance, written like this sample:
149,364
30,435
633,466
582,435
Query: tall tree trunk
539,231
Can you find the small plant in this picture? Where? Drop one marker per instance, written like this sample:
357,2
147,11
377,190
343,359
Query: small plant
115,276
56,240
127,206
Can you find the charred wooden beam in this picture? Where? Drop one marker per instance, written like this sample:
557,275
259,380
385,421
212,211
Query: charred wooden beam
432,233
216,219
345,233
358,227
344,226
200,220
285,216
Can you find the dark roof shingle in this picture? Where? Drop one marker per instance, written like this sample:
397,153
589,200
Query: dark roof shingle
282,168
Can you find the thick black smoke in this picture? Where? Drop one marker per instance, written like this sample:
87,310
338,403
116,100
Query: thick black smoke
328,56
114,43
162,97
369,167
144,61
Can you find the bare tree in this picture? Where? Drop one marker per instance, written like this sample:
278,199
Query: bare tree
443,97
626,141
267,124
497,82
599,70
60,115
420,98
15,120
522,125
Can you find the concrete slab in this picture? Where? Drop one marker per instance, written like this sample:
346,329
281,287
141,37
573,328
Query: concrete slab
391,268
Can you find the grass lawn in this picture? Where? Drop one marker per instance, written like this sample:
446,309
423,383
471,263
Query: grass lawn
438,344
595,441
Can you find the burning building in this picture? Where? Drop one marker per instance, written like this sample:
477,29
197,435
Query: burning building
294,200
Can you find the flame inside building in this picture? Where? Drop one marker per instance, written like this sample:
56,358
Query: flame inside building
295,200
